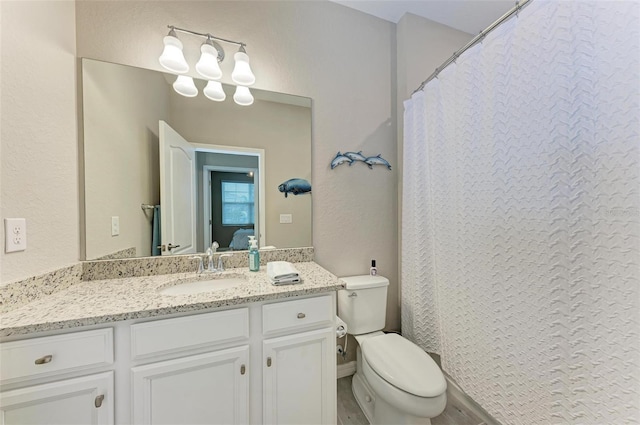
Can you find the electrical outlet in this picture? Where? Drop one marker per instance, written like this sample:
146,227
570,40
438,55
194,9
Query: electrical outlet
115,226
15,234
286,218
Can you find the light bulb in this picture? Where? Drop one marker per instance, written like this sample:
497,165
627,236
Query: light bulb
208,66
172,57
243,96
185,86
242,71
213,91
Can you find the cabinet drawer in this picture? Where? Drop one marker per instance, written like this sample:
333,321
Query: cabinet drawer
189,332
52,355
292,315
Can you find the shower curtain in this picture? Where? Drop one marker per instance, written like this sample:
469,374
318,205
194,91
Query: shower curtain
521,216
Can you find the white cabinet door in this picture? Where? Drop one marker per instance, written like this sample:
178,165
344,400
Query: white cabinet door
80,401
299,378
211,388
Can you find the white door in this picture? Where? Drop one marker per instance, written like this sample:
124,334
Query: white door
177,193
80,401
211,388
299,378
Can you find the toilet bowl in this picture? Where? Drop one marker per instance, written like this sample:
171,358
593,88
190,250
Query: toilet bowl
396,382
409,386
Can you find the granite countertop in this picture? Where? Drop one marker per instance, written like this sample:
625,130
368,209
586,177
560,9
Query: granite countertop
111,300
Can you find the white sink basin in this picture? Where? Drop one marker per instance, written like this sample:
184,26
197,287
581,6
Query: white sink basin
200,285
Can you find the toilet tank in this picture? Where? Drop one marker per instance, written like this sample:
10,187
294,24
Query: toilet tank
363,304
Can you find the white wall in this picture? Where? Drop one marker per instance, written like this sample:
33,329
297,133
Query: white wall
38,131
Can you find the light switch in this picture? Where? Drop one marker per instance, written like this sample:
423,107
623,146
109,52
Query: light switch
286,218
115,226
15,234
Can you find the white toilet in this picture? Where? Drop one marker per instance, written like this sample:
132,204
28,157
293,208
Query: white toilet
396,382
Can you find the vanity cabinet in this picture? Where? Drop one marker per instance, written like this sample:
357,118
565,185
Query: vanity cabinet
207,388
64,400
210,388
299,380
81,401
267,362
299,373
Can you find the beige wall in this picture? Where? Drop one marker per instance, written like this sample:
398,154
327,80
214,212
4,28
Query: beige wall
344,60
122,107
339,57
283,131
39,164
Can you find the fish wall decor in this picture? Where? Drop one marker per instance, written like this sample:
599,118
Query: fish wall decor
295,187
340,159
377,160
356,156
351,157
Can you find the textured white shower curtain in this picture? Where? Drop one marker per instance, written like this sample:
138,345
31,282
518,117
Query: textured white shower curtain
521,216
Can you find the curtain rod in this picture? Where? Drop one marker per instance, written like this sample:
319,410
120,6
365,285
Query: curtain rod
478,38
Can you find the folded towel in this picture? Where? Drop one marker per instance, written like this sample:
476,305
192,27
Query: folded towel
282,272
285,281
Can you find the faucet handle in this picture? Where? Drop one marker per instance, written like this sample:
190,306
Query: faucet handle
200,263
214,246
220,262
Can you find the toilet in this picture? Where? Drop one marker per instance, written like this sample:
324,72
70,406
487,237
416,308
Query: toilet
396,382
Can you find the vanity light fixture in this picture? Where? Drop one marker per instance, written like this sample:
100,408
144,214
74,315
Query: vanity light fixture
185,86
243,96
242,74
208,66
172,57
213,91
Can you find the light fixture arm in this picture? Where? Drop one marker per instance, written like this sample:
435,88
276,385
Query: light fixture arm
206,35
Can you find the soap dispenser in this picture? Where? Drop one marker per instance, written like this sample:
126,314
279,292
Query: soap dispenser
254,256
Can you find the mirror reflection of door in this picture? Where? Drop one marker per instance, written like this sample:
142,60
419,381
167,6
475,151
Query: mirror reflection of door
177,193
233,208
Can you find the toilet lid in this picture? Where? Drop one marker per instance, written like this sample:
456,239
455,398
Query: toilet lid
404,365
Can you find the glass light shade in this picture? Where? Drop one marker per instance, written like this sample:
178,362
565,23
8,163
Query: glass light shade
172,57
208,66
213,91
242,71
185,86
243,96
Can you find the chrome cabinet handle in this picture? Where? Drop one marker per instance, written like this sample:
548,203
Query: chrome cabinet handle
353,294
45,359
98,401
170,247
243,369
301,315
268,361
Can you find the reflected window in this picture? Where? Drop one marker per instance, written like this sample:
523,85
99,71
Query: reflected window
237,203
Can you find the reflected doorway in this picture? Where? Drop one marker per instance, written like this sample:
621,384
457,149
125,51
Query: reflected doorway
232,196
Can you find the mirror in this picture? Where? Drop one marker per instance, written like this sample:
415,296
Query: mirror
250,151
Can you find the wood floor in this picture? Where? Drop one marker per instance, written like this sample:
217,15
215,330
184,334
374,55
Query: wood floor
349,412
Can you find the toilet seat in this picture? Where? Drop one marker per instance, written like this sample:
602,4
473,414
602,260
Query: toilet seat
403,365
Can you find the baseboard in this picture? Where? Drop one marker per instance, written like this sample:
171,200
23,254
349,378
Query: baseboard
346,369
456,395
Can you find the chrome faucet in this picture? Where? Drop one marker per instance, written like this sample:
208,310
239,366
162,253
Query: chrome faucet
221,263
200,268
210,267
